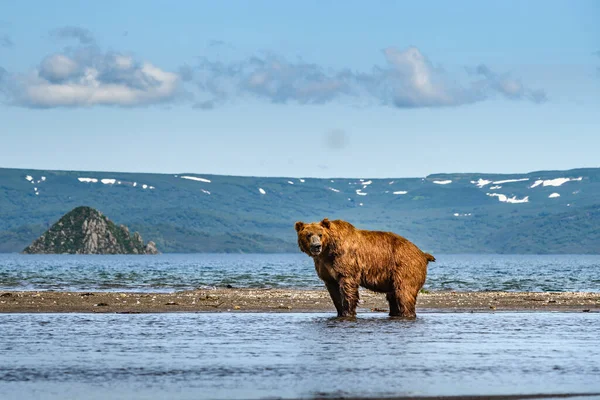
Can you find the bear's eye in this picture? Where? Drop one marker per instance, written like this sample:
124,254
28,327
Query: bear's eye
308,236
320,235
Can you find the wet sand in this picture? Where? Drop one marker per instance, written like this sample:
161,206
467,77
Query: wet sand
285,300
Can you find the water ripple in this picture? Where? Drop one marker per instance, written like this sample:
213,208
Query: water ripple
234,356
171,272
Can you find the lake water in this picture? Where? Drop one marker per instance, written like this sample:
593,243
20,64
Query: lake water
169,272
251,356
256,355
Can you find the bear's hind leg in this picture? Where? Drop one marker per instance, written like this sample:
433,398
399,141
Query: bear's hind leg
406,303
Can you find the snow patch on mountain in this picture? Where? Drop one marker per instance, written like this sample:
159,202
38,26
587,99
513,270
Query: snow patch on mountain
481,182
554,182
505,199
88,180
510,181
195,178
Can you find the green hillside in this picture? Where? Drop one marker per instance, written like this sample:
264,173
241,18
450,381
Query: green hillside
538,212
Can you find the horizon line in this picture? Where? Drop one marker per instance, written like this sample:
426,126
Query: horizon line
302,177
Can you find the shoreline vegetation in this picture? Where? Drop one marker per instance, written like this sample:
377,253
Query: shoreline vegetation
286,300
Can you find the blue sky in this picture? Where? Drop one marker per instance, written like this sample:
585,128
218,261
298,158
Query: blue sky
305,89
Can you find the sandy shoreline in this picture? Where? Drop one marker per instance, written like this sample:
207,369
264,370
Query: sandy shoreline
284,300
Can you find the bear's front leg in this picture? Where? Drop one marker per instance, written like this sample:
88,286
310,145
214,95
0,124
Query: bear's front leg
334,291
393,302
349,291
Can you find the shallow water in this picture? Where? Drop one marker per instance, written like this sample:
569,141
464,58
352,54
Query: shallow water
234,356
169,272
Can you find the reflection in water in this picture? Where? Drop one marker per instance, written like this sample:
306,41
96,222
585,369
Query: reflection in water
295,355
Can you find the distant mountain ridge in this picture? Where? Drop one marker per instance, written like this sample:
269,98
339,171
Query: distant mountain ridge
536,212
85,230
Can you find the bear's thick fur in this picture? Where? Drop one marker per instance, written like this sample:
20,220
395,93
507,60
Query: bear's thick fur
346,257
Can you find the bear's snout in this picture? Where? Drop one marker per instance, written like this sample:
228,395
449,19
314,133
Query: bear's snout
315,245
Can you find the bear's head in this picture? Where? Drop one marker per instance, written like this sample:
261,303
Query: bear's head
313,237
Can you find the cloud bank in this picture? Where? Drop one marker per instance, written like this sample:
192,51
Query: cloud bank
408,79
85,75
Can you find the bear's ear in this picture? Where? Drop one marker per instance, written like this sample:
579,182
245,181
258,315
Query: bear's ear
326,223
299,225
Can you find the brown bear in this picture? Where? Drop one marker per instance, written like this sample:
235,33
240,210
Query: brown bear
346,257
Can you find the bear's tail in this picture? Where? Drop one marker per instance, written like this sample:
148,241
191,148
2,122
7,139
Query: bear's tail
429,257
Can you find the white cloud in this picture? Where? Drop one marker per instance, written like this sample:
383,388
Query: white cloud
89,77
415,82
123,62
408,80
89,90
57,67
507,86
